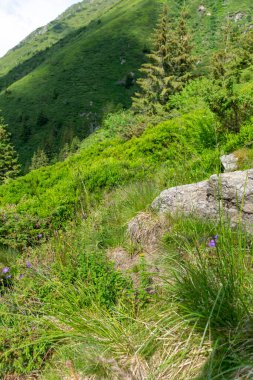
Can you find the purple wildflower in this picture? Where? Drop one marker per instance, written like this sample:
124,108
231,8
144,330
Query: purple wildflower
21,276
212,243
5,270
28,264
216,237
9,276
40,236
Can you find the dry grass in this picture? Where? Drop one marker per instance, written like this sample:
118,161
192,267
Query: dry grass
147,229
155,346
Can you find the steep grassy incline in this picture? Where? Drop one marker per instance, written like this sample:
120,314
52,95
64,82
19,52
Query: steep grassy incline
29,52
70,76
80,78
105,160
46,198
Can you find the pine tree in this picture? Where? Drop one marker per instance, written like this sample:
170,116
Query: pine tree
9,166
169,68
182,60
245,48
153,83
39,159
225,62
226,100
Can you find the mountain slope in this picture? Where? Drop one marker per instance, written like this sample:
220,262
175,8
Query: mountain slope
72,72
75,17
70,87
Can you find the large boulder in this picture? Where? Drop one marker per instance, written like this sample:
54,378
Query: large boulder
229,194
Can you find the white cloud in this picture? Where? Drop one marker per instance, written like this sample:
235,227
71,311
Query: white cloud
18,18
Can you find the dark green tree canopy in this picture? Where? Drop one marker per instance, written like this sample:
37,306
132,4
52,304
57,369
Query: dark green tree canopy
9,166
231,105
39,159
169,67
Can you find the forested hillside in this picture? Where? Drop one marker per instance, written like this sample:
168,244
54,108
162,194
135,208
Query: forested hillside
96,282
55,84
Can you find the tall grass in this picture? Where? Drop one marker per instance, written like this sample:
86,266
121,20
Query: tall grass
213,286
74,313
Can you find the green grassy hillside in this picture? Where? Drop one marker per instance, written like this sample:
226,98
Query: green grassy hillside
170,309
70,87
53,194
86,291
56,83
75,17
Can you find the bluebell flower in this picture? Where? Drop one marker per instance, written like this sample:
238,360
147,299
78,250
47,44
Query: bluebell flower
212,243
5,270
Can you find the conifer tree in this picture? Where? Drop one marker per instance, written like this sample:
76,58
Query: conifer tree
169,68
39,159
182,60
9,166
245,48
226,100
153,84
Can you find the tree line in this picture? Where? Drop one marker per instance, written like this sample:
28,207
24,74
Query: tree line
169,67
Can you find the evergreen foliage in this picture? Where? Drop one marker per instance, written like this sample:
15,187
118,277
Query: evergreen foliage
231,105
69,148
62,71
154,88
9,167
88,292
182,60
39,159
169,68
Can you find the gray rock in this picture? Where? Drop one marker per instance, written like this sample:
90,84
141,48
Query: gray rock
201,9
187,197
229,193
229,162
238,16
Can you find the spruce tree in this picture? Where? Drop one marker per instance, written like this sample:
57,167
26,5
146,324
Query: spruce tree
153,85
182,60
169,68
245,48
39,159
231,106
9,166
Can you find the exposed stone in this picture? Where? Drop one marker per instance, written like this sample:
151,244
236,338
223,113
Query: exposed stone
128,80
229,162
201,9
146,230
127,263
122,259
187,198
230,192
238,16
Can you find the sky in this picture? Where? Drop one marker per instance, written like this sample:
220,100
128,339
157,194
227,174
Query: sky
18,18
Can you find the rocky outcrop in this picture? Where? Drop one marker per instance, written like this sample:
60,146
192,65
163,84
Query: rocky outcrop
229,162
146,230
230,194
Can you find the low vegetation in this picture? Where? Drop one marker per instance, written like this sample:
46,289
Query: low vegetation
85,294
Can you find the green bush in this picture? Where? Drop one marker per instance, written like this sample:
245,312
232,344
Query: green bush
19,231
53,194
242,139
